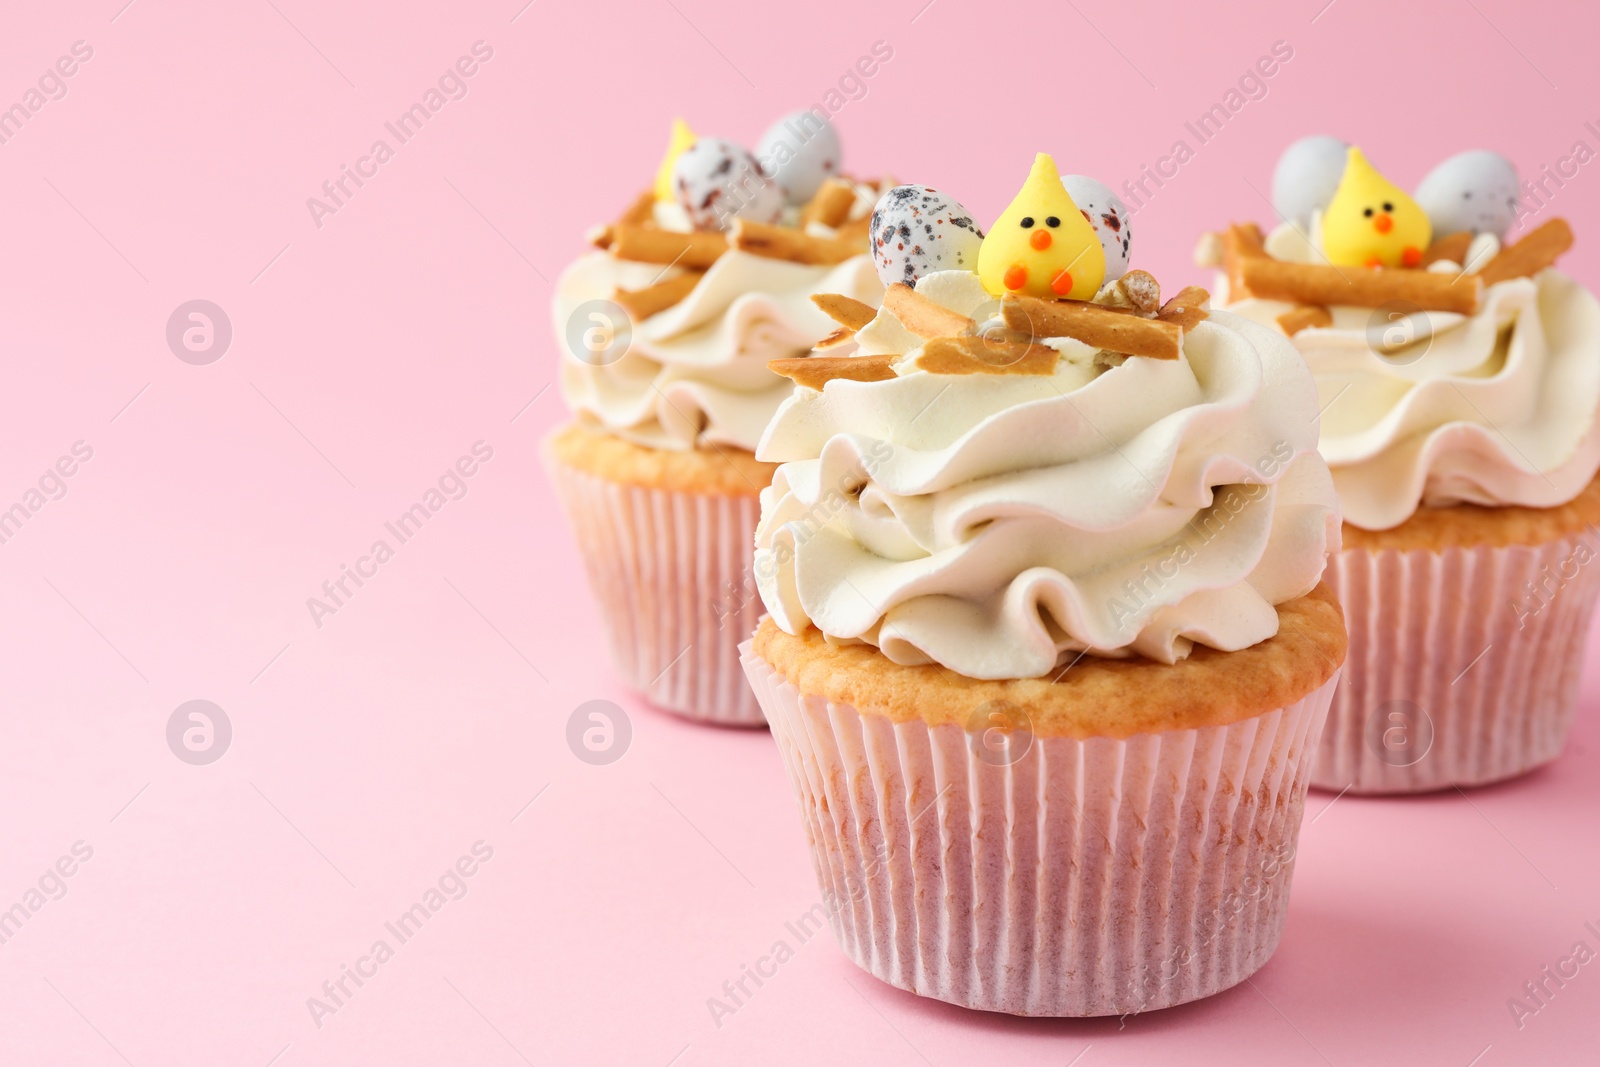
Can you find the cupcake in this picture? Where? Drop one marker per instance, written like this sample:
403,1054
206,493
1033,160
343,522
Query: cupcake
665,333
1458,379
1048,654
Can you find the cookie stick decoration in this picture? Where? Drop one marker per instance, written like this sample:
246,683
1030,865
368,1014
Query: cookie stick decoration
1042,245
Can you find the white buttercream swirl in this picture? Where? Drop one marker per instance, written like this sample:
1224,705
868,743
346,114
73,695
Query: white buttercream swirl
1497,408
696,374
999,524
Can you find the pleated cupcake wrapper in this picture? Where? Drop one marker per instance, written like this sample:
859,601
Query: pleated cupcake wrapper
1464,664
671,571
1092,877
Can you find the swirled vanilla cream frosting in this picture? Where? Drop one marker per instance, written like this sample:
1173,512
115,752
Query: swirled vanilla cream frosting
1001,524
695,374
1492,402
1434,408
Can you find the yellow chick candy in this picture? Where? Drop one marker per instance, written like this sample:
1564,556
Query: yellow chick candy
1370,222
1041,244
681,141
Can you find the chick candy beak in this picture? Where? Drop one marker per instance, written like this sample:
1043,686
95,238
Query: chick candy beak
1040,240
1383,223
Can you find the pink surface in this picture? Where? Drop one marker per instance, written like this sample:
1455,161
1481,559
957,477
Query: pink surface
371,752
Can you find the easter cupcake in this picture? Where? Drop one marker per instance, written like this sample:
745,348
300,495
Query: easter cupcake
1048,654
1458,379
665,333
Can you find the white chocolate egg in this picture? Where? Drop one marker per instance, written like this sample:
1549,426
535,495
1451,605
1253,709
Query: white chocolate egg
800,151
1109,217
917,230
717,181
1307,174
1474,191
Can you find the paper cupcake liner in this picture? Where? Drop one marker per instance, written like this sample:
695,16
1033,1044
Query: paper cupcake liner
671,571
1087,877
1463,667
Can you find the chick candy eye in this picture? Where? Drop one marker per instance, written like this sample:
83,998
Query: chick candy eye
1368,213
1027,222
1052,222
1388,207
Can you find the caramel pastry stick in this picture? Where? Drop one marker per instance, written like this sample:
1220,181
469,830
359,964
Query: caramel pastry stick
922,316
1241,241
814,372
796,246
1537,250
1185,318
1142,291
1187,309
642,212
849,313
1101,327
843,335
1454,248
976,355
640,304
1208,250
831,205
1316,283
649,244
1189,298
846,311
1246,239
1303,317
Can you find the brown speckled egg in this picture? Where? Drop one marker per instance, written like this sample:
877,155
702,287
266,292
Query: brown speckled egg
718,181
917,230
801,152
1109,217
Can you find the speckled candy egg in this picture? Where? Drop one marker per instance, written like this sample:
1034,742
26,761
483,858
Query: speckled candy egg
1474,191
1307,174
1109,217
800,151
718,181
917,230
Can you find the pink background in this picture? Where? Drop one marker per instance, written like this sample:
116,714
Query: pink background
368,354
